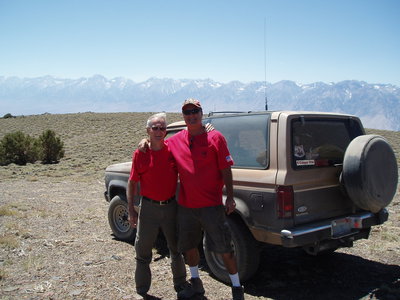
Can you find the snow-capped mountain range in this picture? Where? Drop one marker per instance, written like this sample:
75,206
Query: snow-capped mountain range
378,105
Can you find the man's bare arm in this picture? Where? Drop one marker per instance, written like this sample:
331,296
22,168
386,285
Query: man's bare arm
130,195
230,204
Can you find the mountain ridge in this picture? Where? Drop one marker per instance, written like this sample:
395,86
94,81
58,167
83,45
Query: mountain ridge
378,105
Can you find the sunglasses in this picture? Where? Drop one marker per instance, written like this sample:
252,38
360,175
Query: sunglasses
154,128
193,111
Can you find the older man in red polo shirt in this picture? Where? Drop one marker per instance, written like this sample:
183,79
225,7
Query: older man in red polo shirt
157,174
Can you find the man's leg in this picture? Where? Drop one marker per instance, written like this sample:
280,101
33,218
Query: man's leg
231,265
218,236
196,285
168,226
189,237
146,234
230,262
192,257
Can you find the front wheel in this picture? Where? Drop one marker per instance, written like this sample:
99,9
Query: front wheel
245,249
118,219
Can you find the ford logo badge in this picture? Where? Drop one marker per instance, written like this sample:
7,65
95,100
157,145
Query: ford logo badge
302,209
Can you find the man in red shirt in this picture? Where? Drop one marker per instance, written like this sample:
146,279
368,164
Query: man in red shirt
204,167
156,171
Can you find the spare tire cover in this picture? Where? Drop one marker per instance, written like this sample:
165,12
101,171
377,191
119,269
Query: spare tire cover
370,173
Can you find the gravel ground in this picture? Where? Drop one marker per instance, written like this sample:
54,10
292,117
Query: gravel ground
55,243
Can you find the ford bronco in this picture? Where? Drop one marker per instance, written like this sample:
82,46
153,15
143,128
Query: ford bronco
301,179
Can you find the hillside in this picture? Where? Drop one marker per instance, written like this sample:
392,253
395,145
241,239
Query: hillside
92,142
95,140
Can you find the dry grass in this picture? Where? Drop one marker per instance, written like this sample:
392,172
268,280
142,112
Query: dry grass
92,142
5,210
9,242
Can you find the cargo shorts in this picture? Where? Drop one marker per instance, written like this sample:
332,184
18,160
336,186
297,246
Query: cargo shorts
212,220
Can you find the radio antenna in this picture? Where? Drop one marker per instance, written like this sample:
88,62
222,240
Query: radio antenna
265,63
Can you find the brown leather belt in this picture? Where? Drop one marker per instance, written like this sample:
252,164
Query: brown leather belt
160,202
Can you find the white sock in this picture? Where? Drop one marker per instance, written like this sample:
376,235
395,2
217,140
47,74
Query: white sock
194,272
235,279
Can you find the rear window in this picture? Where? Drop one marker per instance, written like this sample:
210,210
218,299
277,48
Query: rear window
247,138
321,142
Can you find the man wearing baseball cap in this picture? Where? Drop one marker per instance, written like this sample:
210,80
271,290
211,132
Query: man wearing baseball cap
204,167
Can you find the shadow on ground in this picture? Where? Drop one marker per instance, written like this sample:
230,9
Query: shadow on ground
291,274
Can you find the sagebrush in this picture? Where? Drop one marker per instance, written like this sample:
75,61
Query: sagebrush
20,148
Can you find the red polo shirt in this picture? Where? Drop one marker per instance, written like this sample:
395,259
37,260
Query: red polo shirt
156,171
200,160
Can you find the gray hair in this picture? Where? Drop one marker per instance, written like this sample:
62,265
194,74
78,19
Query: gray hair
161,116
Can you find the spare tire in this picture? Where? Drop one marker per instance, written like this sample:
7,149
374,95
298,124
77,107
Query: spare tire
370,173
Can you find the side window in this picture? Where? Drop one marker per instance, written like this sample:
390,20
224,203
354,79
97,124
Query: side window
247,138
320,143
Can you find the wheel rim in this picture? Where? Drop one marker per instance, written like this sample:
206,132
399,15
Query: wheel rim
218,259
121,218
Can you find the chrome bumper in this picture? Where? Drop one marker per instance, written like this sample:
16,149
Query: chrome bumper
311,233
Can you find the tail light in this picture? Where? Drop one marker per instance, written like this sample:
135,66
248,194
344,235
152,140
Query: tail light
285,201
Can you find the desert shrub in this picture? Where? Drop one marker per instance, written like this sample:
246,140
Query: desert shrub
8,116
18,148
51,147
2,155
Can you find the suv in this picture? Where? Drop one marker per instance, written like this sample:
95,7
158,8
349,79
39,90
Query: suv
301,179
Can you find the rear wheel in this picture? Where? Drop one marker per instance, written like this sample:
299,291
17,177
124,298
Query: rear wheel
118,219
246,251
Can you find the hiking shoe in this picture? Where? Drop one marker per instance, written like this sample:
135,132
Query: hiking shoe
237,293
194,288
181,287
144,296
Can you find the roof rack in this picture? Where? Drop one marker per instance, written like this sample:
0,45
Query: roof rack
211,113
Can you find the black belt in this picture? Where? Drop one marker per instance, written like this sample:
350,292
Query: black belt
160,202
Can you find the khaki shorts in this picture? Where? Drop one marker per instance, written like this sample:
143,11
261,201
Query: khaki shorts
212,220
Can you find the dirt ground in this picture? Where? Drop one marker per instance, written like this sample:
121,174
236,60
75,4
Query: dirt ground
55,243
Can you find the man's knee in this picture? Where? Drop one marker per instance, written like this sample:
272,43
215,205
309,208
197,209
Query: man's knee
143,259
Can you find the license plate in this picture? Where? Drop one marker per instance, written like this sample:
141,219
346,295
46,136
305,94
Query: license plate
341,227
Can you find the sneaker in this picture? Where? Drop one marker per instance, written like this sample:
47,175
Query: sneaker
194,288
237,293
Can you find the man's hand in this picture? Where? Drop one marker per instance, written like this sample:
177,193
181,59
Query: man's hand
143,145
230,205
133,219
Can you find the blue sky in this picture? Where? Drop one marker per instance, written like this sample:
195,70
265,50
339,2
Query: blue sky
306,41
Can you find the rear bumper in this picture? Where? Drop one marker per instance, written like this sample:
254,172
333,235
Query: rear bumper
357,227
